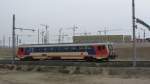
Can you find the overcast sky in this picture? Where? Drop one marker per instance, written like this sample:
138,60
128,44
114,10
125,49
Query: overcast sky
89,15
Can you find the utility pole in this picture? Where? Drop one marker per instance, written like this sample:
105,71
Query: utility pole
134,36
13,41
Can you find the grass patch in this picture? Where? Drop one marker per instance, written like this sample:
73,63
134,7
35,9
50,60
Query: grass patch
5,53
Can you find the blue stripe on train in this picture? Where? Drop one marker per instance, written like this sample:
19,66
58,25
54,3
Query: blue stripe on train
89,49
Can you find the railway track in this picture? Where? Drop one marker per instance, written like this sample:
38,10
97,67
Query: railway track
78,63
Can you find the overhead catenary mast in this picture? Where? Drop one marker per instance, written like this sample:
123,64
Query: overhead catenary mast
134,36
14,38
60,35
46,37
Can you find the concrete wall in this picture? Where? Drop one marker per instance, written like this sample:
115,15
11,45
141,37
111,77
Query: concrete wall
102,38
125,51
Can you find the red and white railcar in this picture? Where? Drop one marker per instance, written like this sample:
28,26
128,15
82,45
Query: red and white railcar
84,51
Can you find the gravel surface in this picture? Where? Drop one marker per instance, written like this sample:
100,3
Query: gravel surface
14,77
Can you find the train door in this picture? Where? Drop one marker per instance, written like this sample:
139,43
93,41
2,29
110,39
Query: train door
20,52
102,51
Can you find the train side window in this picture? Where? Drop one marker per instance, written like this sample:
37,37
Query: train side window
35,49
66,48
81,48
52,49
89,47
47,49
77,48
56,49
85,47
42,49
70,49
60,49
73,48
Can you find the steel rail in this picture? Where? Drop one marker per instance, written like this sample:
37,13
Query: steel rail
78,63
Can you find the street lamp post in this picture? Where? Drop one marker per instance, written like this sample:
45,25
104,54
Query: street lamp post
134,37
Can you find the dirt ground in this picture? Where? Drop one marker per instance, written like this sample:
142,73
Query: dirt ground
5,51
13,77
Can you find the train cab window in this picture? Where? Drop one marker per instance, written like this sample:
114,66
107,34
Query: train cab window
99,47
103,47
21,49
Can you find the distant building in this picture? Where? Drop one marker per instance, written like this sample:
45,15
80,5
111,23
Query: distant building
102,38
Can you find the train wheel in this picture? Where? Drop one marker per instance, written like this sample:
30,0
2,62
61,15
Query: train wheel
90,59
102,60
105,59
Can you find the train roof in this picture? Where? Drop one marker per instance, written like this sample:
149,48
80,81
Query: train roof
62,44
